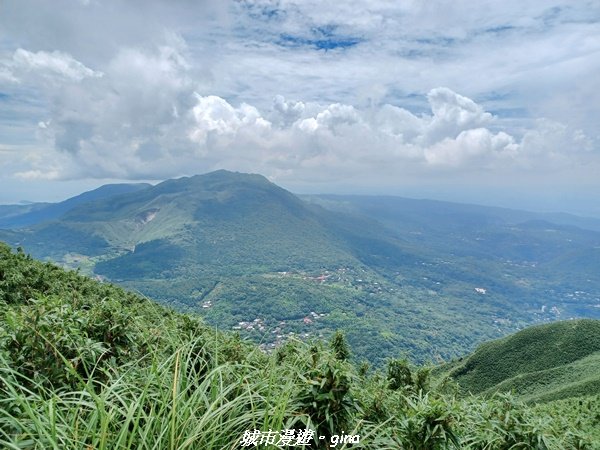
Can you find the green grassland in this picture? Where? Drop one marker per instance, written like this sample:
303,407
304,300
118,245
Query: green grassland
85,364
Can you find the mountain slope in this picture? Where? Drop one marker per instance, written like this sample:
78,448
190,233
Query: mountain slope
124,372
398,211
547,261
542,363
18,216
249,255
220,221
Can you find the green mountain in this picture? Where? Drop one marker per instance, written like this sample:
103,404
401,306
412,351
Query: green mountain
541,363
409,213
16,216
545,261
415,278
85,364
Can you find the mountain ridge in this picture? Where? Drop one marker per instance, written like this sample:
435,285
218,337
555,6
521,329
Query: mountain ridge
19,216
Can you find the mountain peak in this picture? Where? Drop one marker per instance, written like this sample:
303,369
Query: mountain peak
216,180
231,176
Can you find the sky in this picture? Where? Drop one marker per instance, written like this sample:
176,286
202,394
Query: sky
477,101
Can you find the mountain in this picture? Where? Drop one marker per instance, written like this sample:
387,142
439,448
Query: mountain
219,221
10,214
17,216
541,363
480,232
555,257
429,281
407,212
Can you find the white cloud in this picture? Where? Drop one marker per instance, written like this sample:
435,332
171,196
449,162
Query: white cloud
127,121
214,116
555,145
334,118
478,146
6,75
286,112
452,114
47,174
48,65
145,120
372,90
399,122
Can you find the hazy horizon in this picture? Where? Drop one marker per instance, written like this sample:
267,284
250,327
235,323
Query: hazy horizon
483,102
509,201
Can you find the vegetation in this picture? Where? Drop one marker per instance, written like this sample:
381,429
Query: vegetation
397,274
541,363
88,365
16,216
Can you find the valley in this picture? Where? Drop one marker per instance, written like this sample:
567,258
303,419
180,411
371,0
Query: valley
419,279
77,351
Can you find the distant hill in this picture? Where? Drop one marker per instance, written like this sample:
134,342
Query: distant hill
428,280
399,211
541,363
18,216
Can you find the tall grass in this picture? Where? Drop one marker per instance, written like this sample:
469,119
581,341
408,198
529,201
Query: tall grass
186,402
181,402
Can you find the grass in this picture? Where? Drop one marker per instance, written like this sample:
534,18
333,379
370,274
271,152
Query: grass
175,403
535,360
576,379
183,403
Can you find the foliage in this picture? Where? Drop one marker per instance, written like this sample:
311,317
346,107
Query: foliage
546,362
399,374
87,365
340,346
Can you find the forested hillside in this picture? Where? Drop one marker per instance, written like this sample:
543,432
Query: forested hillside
16,216
87,365
546,362
398,275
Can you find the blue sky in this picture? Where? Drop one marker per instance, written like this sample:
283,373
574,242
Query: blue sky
480,101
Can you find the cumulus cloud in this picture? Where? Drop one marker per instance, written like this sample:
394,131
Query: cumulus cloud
399,122
146,119
286,112
478,146
213,116
452,114
556,144
334,118
126,122
300,90
146,115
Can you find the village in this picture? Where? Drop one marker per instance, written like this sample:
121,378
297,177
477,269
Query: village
279,332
